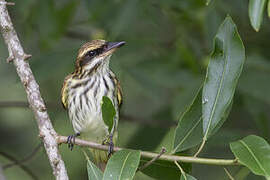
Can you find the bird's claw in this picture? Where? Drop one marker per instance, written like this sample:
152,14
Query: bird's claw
71,140
111,146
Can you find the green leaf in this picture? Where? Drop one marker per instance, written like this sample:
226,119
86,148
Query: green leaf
223,118
161,170
224,69
187,177
122,165
255,11
185,95
242,174
207,2
253,152
189,129
93,172
108,112
167,141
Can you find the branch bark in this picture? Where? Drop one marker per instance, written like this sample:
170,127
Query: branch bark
18,56
2,177
165,157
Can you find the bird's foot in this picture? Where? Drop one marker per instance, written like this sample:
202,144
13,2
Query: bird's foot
111,146
109,141
71,140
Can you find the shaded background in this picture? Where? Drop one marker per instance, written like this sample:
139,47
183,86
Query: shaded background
160,69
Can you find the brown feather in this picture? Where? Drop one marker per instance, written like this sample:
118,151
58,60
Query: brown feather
118,91
64,91
95,44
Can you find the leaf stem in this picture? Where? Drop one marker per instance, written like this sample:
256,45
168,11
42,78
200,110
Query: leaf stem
181,169
163,150
200,148
165,157
228,174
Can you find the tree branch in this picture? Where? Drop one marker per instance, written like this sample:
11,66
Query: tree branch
165,157
18,56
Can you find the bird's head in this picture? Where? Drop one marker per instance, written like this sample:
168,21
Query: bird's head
96,54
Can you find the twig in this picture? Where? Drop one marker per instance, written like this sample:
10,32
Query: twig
163,150
18,56
200,148
27,158
23,167
165,157
228,174
181,169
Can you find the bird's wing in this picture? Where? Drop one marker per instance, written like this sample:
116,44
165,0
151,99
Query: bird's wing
64,92
118,92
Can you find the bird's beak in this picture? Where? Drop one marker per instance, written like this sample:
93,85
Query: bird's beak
111,46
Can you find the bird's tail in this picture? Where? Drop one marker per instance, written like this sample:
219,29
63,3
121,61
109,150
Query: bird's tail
100,158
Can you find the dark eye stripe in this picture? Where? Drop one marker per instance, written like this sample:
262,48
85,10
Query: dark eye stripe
95,52
90,55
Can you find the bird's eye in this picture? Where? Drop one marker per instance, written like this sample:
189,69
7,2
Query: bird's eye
91,53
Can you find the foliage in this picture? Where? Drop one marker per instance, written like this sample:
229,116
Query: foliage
255,11
253,152
122,165
187,177
93,171
223,71
108,112
189,131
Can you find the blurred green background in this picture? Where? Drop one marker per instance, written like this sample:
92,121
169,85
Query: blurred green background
160,69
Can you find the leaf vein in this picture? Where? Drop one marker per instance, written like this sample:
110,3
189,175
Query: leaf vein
253,155
188,134
123,165
216,98
93,170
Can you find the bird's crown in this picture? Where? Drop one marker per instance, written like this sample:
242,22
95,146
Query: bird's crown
90,46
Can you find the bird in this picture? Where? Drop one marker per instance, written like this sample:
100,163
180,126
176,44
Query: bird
82,94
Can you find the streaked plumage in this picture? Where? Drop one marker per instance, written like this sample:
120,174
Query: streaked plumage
83,90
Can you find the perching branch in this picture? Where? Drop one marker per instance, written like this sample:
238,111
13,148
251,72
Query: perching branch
165,157
19,57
